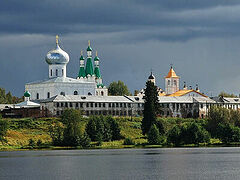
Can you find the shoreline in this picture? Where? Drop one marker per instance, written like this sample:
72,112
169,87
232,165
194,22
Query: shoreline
2,149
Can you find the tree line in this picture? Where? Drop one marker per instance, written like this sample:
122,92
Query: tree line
8,98
221,123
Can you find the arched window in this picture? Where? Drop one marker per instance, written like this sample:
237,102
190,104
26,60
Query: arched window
175,82
96,93
168,82
102,93
48,95
37,95
89,94
51,72
56,72
62,72
75,93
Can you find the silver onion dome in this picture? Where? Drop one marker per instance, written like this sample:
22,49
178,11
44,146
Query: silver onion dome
57,56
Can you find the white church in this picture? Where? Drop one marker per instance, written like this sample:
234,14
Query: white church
88,82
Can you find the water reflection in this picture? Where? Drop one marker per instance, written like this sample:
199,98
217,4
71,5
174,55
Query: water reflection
166,163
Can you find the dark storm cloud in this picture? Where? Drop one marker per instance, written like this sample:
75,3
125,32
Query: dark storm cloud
101,16
132,35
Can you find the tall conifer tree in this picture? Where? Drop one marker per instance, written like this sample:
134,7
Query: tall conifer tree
151,107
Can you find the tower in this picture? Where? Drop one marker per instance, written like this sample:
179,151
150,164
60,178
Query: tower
81,73
152,78
89,65
171,82
97,70
57,60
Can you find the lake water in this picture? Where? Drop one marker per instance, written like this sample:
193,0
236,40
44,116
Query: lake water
172,163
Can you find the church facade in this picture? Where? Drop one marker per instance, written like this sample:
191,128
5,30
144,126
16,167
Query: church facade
88,82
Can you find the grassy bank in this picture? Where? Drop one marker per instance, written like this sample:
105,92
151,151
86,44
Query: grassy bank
22,130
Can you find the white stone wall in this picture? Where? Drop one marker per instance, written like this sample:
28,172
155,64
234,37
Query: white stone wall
57,87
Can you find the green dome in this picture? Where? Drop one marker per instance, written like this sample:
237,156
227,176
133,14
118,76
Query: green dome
96,58
81,57
27,94
89,48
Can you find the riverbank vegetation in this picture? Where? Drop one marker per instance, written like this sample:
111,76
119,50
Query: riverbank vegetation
72,130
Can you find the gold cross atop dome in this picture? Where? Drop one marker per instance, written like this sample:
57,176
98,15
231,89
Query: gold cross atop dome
57,39
96,53
81,52
88,42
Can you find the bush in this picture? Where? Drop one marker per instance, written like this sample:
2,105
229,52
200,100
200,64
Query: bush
217,115
4,125
31,143
128,141
188,133
174,135
106,127
153,135
115,129
228,133
56,132
193,133
39,142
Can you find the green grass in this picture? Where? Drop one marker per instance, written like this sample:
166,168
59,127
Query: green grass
21,130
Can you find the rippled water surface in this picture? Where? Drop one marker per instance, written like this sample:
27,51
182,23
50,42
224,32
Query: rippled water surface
174,163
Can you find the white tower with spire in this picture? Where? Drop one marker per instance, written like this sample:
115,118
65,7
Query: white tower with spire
57,60
171,82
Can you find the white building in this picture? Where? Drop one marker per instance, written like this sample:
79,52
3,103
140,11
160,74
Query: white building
89,81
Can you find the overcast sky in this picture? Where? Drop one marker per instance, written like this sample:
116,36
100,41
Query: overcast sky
201,38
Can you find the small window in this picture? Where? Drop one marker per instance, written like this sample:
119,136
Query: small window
62,93
51,72
75,93
168,82
56,72
37,95
62,72
48,95
89,94
102,93
175,82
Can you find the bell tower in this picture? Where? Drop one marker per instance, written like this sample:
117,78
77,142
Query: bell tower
171,82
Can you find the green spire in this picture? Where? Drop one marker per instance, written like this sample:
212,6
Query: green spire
81,69
89,66
81,72
97,72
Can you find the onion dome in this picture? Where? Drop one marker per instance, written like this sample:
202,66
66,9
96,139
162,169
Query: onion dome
81,57
57,55
96,57
27,94
151,76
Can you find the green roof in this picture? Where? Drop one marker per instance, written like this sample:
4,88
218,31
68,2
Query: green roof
96,58
89,66
100,85
81,72
97,72
89,48
27,94
81,57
